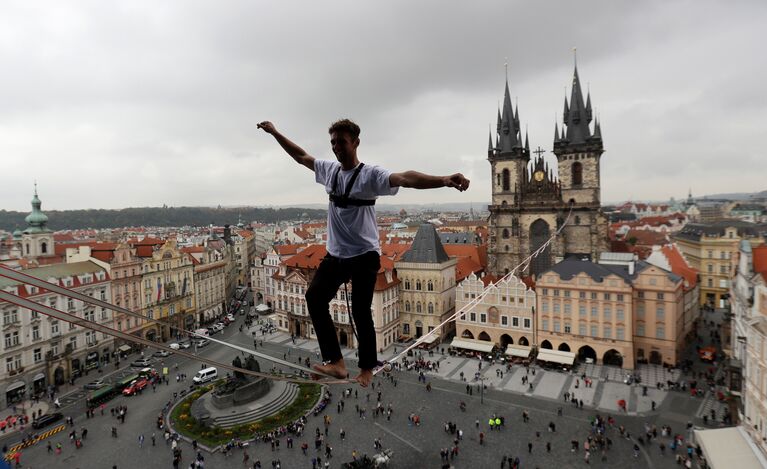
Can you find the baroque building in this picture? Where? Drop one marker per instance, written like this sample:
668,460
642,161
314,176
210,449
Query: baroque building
529,202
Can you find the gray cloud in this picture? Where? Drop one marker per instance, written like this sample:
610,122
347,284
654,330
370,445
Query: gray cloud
144,103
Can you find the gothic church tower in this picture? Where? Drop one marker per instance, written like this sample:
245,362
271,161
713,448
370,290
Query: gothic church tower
529,203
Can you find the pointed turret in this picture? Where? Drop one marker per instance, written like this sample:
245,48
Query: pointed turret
527,142
490,149
588,106
498,127
566,111
508,133
578,119
597,131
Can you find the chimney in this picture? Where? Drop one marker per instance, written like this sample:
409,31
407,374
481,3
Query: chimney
631,268
228,235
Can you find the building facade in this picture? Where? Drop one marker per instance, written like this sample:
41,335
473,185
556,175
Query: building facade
620,312
529,205
168,276
710,249
502,313
427,292
39,351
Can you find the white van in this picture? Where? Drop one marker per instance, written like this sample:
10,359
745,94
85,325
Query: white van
203,376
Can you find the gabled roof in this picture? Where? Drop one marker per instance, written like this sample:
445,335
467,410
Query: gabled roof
288,249
478,254
308,258
465,267
426,247
679,265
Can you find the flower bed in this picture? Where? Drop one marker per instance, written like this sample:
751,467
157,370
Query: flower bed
185,424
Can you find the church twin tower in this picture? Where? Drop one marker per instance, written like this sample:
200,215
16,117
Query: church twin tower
529,203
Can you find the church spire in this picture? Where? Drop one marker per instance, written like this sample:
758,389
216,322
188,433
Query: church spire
578,118
490,149
508,133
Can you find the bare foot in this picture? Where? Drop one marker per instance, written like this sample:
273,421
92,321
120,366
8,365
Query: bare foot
364,378
336,368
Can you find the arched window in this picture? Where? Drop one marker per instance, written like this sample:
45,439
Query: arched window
498,179
430,286
515,226
507,248
417,284
577,174
418,307
44,247
505,233
407,284
506,180
431,308
407,306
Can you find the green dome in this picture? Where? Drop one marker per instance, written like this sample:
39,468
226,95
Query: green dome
17,234
37,219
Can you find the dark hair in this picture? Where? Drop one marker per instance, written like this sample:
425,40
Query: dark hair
345,126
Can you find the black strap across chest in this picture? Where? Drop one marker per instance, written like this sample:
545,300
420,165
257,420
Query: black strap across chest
343,201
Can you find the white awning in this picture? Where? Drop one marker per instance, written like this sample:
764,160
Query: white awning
124,348
522,351
473,344
15,386
556,356
262,307
729,447
38,377
430,338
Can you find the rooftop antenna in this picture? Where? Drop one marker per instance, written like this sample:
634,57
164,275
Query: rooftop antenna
575,56
506,66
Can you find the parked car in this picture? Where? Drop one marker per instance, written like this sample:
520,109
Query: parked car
202,343
141,363
185,344
148,373
96,384
174,345
135,386
47,419
230,317
161,353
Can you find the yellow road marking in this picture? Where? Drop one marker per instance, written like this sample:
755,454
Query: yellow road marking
38,438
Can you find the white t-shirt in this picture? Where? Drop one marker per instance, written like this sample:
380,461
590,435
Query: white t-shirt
353,230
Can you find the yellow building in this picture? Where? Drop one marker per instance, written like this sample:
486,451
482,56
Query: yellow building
168,277
710,249
618,312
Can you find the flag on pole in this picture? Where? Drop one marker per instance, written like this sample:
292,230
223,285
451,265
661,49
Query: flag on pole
159,289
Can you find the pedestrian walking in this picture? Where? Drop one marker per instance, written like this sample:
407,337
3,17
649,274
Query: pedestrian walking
141,441
529,447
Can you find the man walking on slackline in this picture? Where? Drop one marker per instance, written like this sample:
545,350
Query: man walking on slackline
353,247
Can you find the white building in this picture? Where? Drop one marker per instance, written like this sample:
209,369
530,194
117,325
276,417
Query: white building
38,350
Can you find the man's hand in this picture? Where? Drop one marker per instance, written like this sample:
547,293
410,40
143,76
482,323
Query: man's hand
456,180
267,127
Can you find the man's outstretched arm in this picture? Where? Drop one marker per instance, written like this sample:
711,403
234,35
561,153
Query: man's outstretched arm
418,180
290,148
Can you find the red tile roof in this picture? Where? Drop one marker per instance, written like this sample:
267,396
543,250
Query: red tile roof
646,237
465,267
288,249
760,259
679,265
478,254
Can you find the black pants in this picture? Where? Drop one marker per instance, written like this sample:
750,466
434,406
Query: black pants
362,271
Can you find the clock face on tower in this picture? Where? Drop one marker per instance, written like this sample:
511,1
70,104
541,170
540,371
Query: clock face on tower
539,176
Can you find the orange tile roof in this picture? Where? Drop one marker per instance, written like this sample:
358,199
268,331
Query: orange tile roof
395,251
288,249
465,267
309,258
478,254
679,265
647,237
191,249
760,259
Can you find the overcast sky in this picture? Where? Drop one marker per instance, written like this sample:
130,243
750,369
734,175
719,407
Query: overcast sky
113,104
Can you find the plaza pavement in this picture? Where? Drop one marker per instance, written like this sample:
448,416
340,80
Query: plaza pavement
413,446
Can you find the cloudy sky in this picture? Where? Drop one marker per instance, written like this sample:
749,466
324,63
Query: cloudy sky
113,104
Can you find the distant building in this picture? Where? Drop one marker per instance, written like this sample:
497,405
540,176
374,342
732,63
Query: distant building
710,249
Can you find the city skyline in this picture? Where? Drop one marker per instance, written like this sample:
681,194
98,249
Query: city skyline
164,99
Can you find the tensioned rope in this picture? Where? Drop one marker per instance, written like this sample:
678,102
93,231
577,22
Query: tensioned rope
32,305
462,312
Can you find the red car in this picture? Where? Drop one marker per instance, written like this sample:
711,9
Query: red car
136,386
